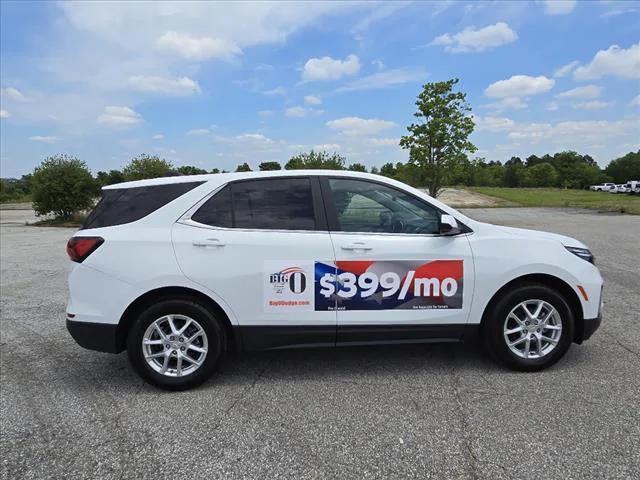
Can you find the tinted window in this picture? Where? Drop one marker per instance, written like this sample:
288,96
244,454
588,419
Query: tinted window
216,211
277,204
125,205
364,206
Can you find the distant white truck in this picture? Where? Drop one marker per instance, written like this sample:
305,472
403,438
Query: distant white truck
633,187
603,187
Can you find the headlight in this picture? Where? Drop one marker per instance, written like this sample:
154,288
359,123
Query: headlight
583,253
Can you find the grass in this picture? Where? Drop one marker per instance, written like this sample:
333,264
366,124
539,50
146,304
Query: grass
20,199
554,197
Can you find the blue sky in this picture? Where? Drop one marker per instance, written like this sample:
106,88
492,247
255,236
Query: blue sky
216,84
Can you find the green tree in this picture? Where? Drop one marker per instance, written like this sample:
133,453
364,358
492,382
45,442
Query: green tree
625,168
243,167
62,185
266,166
514,172
541,175
146,166
316,160
215,170
388,170
110,178
375,170
190,170
357,167
440,138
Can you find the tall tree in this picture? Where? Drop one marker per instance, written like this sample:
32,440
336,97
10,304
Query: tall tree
357,167
440,138
625,168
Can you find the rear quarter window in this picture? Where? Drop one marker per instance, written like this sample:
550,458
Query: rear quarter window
125,205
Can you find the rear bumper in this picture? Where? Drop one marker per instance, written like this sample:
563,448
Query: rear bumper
102,337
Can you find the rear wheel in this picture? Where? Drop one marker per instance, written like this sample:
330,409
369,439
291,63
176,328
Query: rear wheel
175,344
529,328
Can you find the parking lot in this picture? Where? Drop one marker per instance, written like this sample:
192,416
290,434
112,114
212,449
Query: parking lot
426,411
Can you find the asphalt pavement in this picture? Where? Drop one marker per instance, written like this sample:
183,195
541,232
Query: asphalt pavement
434,411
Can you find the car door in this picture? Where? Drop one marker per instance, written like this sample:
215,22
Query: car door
396,277
254,243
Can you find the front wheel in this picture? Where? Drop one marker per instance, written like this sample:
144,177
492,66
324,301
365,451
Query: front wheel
175,344
529,328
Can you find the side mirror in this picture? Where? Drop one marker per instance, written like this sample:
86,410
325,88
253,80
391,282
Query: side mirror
449,225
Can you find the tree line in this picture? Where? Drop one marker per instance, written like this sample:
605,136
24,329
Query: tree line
439,154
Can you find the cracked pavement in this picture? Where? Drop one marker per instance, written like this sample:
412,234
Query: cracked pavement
430,411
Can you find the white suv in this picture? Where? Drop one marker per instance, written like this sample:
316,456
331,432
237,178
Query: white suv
179,271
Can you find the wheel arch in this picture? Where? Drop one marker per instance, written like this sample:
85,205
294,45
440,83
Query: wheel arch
550,281
143,301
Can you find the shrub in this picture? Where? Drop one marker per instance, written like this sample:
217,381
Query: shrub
146,166
62,185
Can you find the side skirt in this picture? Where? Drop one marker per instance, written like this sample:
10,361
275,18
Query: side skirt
274,337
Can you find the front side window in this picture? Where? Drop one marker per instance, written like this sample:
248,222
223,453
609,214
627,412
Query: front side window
270,204
363,206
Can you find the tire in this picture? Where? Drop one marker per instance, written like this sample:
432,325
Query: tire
203,331
542,353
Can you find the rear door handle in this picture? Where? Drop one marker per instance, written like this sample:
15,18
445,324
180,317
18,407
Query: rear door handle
208,242
356,246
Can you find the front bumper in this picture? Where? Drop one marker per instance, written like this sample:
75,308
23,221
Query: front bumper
102,337
590,325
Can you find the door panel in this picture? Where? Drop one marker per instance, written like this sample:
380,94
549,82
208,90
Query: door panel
403,279
266,277
392,265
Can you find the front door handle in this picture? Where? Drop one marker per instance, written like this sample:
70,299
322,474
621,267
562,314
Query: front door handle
356,246
208,242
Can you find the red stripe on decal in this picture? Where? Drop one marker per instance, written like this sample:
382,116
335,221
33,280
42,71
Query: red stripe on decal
354,266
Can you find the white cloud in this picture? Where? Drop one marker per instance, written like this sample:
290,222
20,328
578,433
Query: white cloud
507,103
615,61
592,105
586,92
565,70
636,101
4,114
119,116
327,68
254,138
158,136
197,48
519,86
180,86
44,139
199,131
559,7
385,79
300,112
328,147
359,126
472,40
14,94
379,64
275,91
265,113
385,142
493,124
312,100
552,106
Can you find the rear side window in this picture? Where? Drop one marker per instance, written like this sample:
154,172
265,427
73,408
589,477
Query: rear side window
126,205
216,211
270,204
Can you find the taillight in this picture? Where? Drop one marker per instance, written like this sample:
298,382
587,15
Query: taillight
79,248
